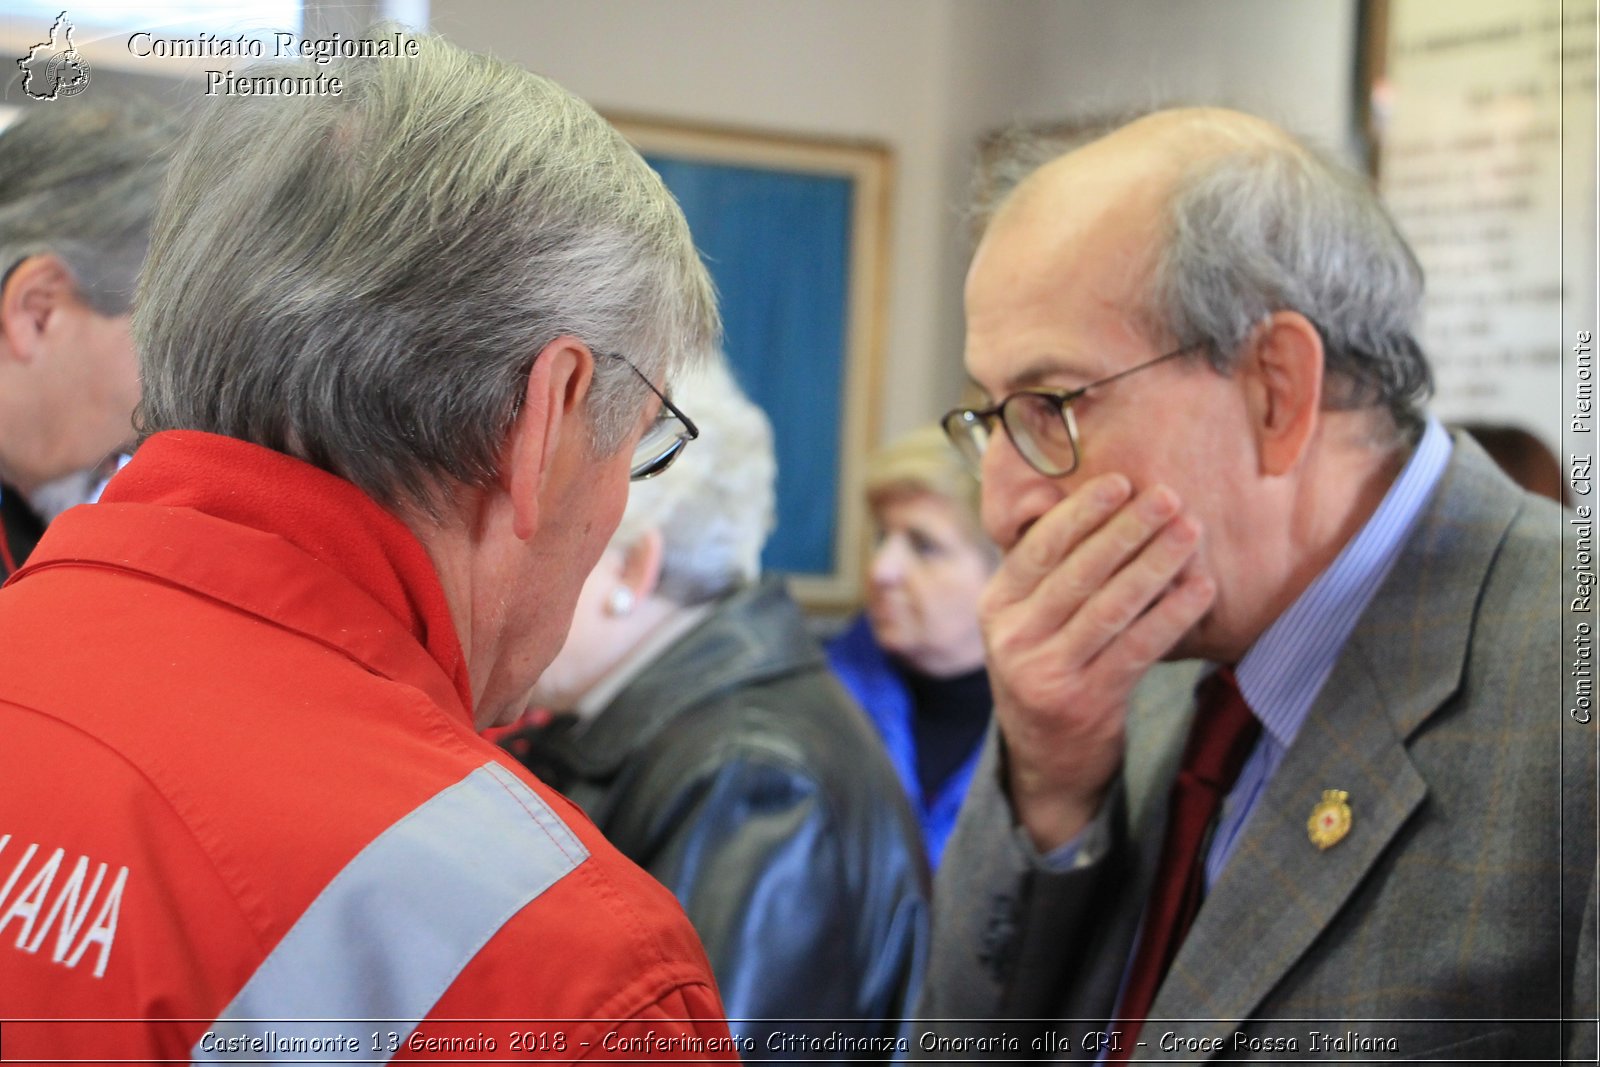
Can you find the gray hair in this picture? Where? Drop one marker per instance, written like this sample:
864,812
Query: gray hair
81,181
1276,227
715,507
363,280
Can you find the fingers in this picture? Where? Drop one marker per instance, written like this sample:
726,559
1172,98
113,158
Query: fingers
1094,593
1115,578
1158,629
1120,543
1055,535
1116,584
1096,565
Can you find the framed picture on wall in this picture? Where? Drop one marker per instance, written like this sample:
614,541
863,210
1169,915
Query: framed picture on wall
795,234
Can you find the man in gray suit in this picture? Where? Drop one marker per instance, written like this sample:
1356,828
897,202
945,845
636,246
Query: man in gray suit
1205,460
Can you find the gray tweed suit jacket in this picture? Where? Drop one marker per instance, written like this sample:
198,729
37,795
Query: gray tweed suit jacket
1456,921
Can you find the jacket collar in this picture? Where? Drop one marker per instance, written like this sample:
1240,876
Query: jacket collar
1404,660
754,635
278,538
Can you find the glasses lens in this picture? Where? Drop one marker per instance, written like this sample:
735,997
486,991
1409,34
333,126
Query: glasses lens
1041,429
969,433
654,466
658,447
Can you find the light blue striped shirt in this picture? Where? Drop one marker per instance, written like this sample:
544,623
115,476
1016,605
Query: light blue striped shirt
1282,673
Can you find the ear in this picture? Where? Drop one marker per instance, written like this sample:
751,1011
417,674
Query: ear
641,564
548,425
37,289
1282,379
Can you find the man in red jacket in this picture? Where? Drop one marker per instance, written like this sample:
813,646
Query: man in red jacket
402,348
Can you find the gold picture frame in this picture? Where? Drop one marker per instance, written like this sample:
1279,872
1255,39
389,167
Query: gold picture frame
855,379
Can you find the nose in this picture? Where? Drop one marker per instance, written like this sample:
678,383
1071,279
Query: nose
1014,495
888,562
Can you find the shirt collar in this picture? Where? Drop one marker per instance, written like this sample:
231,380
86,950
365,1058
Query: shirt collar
1284,669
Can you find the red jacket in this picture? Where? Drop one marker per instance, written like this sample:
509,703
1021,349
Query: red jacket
240,789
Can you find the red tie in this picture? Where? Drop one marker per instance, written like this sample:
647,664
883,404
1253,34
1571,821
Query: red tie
1220,740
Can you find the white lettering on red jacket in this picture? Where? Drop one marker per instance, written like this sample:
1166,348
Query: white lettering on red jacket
39,906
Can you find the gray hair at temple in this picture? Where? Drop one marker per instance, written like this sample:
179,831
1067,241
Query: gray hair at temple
715,507
1274,226
363,280
81,181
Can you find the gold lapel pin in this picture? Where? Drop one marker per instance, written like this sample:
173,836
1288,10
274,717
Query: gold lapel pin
1330,820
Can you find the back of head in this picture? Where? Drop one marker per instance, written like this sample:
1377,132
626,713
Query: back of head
81,180
362,280
715,507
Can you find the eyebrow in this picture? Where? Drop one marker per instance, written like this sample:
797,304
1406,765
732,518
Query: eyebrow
1038,373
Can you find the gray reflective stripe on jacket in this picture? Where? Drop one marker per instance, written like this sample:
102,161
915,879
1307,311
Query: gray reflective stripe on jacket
396,926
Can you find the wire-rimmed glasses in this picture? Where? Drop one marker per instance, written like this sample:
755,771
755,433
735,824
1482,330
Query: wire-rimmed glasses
667,436
1039,422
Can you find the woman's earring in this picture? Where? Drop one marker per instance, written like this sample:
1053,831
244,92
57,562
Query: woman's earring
620,602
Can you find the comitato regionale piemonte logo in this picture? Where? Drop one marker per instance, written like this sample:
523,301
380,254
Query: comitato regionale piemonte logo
54,69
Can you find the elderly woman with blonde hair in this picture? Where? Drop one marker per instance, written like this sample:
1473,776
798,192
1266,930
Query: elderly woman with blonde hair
710,743
914,660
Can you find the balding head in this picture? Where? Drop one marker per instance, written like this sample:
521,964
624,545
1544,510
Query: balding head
1206,308
1137,166
1214,219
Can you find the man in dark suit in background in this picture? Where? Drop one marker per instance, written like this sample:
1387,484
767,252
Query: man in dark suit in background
78,188
1369,831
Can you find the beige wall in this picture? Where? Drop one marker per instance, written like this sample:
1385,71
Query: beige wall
925,78
1290,62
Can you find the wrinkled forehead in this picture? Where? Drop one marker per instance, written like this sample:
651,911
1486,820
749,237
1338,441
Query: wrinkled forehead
1069,238
1109,191
1064,276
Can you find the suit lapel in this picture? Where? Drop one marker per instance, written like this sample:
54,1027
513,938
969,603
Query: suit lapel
1279,892
1158,724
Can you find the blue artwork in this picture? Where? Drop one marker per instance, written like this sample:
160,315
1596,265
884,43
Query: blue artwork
777,244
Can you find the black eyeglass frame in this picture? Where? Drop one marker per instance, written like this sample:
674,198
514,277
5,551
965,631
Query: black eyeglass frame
649,468
958,422
6,277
